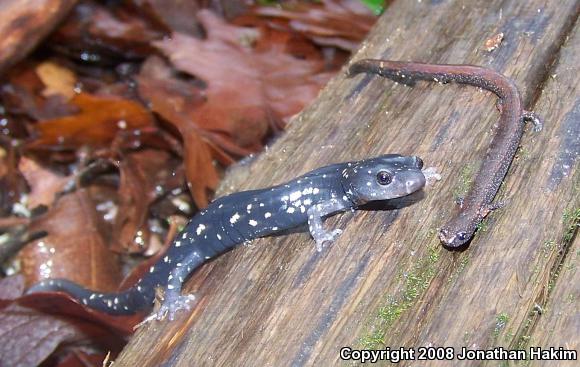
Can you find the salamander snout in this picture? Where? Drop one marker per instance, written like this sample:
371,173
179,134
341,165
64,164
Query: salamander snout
414,183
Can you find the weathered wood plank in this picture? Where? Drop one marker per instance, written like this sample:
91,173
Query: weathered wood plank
25,23
387,281
559,323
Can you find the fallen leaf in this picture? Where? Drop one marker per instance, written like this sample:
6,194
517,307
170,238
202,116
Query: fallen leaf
28,337
98,34
174,16
44,183
267,78
339,23
57,79
74,242
99,120
145,176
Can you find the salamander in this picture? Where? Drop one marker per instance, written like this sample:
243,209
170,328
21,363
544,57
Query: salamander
479,200
234,219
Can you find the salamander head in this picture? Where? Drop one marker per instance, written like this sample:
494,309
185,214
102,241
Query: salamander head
459,231
385,177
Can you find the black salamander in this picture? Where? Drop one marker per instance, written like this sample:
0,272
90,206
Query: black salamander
234,219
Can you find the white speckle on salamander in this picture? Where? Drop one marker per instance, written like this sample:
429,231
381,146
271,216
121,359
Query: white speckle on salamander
219,237
307,201
261,205
92,296
315,190
200,229
290,210
267,215
274,228
295,195
152,269
166,259
253,223
234,218
177,243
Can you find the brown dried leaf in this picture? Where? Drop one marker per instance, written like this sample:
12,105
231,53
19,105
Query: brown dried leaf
44,183
74,248
340,23
25,23
28,337
57,79
261,87
145,175
99,120
174,16
21,95
175,101
94,33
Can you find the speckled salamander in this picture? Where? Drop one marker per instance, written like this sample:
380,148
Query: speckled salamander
234,219
478,202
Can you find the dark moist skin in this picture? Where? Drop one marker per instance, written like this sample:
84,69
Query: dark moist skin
478,202
231,220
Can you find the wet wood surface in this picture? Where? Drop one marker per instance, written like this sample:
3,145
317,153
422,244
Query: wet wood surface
387,282
26,23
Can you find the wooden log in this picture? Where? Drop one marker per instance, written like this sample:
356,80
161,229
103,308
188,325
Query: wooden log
554,319
387,282
25,23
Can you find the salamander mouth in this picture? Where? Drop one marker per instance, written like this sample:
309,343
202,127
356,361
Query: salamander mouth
453,239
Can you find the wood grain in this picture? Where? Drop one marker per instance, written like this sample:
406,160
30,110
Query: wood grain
555,316
387,281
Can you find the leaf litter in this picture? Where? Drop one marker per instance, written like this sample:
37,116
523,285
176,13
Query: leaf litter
126,115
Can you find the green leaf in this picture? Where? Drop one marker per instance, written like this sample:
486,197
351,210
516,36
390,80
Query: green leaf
376,6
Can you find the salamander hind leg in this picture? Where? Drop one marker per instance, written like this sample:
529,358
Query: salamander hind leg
315,215
534,118
173,301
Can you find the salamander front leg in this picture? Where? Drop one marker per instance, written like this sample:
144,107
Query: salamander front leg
315,215
173,301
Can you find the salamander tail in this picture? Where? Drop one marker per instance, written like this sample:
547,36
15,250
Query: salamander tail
122,303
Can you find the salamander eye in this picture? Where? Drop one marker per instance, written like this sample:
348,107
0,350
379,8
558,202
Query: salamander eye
461,236
384,178
419,162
